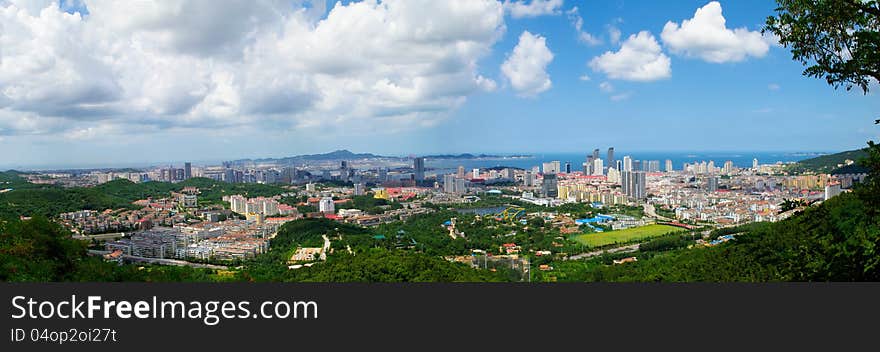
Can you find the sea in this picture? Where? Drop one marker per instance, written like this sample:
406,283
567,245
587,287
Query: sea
739,159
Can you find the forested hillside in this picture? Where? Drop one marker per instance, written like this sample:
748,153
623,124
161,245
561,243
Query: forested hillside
26,199
827,163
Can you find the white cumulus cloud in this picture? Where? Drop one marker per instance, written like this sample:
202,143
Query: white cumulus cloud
532,8
707,37
269,64
640,58
526,67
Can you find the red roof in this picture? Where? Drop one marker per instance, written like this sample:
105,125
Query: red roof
332,216
116,254
281,218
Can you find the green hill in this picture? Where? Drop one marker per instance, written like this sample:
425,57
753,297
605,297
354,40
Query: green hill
12,179
827,163
27,199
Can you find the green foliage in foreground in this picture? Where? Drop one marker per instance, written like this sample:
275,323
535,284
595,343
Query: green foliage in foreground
39,250
382,265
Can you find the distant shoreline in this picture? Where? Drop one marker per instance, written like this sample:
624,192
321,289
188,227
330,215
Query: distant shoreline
85,167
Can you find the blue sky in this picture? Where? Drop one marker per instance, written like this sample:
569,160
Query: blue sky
727,106
388,78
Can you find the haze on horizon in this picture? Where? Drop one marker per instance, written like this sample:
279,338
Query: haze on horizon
96,82
767,156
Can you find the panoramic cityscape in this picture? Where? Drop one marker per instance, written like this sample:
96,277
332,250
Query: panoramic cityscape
439,141
603,204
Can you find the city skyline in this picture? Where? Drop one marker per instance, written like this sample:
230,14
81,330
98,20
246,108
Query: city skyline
536,158
540,76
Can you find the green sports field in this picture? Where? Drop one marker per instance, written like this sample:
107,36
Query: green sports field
622,236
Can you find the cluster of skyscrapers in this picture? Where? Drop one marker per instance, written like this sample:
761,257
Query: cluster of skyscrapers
172,174
630,174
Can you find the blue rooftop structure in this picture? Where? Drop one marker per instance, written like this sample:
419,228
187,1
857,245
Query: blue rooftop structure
597,218
722,239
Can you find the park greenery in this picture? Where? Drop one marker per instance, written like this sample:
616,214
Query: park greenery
630,235
369,204
368,262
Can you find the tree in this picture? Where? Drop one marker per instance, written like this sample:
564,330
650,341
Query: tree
536,222
841,41
838,39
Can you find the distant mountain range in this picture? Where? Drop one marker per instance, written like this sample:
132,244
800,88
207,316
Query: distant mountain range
344,154
831,162
334,155
338,155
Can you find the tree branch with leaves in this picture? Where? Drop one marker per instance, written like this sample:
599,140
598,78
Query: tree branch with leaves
838,40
